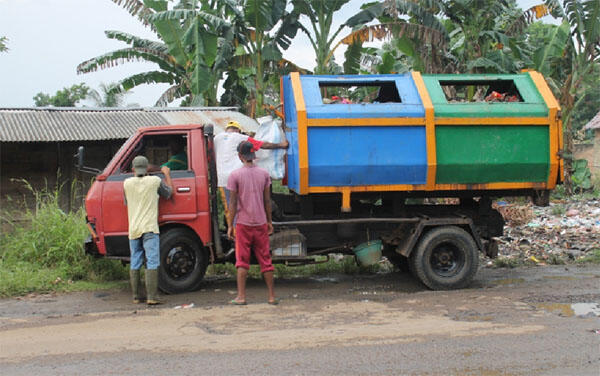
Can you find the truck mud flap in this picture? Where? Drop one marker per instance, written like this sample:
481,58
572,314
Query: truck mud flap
90,247
406,246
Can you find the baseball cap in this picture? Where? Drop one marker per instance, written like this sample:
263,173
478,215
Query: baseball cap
140,165
245,148
234,124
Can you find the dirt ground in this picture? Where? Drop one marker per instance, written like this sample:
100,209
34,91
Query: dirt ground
524,321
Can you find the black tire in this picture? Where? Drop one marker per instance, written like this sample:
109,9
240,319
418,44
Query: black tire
446,258
183,261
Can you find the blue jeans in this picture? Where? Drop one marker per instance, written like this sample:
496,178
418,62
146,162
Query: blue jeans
149,244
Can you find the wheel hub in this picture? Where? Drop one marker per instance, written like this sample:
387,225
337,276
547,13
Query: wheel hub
446,260
180,262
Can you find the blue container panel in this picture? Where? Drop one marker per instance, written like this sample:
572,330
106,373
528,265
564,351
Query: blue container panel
356,156
410,107
291,122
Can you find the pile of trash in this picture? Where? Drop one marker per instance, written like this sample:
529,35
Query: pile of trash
565,230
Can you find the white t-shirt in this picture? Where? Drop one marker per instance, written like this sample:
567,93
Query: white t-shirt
226,144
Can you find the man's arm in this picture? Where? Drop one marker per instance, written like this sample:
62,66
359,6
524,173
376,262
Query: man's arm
165,189
269,145
233,197
167,172
267,203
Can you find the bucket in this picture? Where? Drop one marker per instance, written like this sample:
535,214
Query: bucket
368,253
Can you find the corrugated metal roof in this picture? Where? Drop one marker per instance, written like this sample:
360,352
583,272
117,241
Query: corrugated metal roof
89,124
594,123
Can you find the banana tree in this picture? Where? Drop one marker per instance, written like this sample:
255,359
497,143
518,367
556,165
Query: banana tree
188,54
456,36
321,15
169,72
261,28
199,38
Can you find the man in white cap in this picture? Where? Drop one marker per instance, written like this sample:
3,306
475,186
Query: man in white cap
141,197
227,159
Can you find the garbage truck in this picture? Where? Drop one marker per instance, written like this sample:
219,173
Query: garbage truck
401,165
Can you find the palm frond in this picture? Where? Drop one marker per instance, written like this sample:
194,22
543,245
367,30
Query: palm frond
395,30
170,95
184,14
534,13
135,41
137,9
153,77
124,55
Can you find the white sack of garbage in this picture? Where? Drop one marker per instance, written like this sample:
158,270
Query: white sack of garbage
270,130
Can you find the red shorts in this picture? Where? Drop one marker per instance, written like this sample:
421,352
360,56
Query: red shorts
252,238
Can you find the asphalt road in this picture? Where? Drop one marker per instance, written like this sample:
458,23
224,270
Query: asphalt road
525,321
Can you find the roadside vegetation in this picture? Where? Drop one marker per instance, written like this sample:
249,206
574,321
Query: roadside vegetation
41,250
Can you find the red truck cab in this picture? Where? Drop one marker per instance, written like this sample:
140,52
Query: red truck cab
184,219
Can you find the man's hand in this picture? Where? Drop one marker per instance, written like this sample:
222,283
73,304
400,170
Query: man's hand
269,228
284,144
231,233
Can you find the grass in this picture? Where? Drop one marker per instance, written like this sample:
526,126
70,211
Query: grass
507,262
558,210
344,265
42,251
591,257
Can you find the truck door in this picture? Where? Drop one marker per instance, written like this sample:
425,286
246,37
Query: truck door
171,149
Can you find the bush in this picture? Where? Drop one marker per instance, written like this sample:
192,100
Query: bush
43,250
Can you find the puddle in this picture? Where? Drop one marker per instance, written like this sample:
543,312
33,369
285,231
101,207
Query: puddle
570,310
562,309
586,309
508,281
560,277
325,279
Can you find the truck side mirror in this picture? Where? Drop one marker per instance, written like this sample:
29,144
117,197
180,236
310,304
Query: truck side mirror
79,157
79,162
209,129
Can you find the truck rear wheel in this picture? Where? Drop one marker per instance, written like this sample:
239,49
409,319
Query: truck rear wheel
446,258
183,261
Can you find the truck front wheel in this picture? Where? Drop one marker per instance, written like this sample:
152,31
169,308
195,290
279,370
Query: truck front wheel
183,261
446,258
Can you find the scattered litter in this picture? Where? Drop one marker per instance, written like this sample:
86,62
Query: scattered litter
564,230
184,306
295,296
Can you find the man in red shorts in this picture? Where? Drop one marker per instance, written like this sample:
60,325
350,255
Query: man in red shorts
250,200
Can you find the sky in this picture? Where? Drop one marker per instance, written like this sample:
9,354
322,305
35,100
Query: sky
49,38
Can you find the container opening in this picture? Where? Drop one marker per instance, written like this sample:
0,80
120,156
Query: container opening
359,92
481,91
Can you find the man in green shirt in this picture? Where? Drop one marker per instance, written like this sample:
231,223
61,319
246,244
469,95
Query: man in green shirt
178,160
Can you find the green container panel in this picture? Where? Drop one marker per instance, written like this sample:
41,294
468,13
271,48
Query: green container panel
474,154
533,104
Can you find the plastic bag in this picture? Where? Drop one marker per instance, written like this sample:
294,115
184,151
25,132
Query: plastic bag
269,130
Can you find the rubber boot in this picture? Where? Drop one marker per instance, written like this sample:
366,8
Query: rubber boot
134,278
152,287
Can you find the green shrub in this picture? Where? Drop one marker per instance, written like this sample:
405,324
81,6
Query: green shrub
591,257
43,249
558,210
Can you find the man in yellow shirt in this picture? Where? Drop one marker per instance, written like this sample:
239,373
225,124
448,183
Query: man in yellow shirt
141,196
